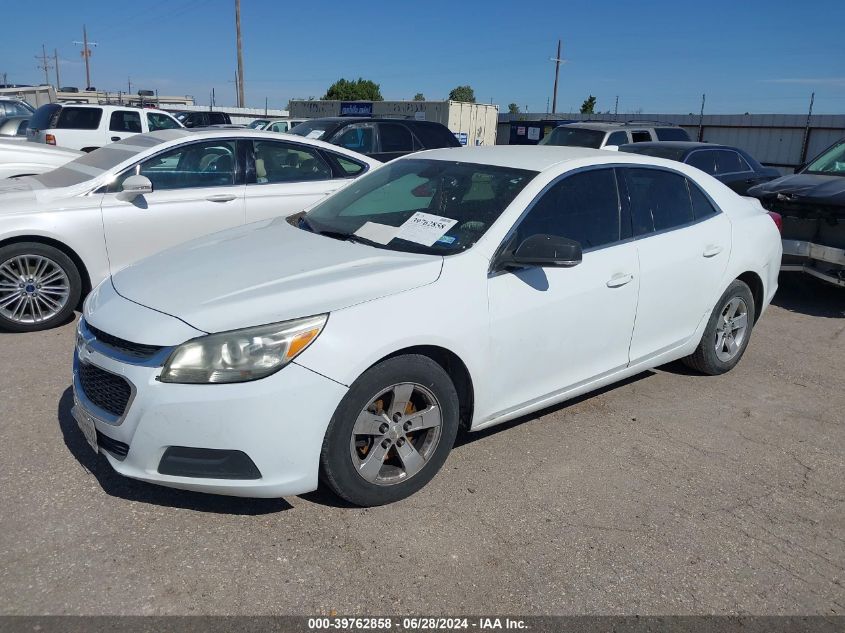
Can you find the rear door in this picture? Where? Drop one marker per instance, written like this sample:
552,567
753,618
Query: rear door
683,243
287,177
123,123
197,189
395,140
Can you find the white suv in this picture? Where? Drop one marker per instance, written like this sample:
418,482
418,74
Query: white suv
86,127
611,134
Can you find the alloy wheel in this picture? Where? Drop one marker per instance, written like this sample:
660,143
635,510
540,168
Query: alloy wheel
396,434
731,329
33,289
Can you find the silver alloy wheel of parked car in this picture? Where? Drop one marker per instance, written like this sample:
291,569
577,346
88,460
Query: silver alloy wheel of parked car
392,443
731,329
33,288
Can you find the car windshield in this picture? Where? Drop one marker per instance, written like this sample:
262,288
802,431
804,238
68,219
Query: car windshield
422,206
831,162
258,124
313,129
574,137
91,165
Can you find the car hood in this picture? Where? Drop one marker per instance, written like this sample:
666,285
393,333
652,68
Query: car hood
809,188
17,195
267,272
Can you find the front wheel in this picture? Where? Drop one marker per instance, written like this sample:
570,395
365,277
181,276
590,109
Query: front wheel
392,431
39,287
727,333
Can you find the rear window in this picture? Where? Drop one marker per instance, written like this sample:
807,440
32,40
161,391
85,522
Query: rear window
434,136
79,118
671,134
567,136
315,129
43,115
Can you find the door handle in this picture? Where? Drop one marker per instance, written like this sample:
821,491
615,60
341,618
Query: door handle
115,138
619,279
712,250
221,197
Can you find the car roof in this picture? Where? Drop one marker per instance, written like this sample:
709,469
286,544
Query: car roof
681,145
73,104
616,125
342,120
533,157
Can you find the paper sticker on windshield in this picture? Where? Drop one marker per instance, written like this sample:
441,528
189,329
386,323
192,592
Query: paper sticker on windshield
315,133
378,233
425,228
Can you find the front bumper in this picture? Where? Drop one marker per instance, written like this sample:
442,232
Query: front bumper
279,422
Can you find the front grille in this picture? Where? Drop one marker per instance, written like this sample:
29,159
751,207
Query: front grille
136,350
113,446
108,391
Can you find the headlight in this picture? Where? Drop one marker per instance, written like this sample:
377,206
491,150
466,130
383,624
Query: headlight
241,355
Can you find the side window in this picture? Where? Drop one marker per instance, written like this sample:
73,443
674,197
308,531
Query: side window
703,159
729,162
671,134
358,138
125,121
277,161
348,166
79,118
582,207
158,121
278,126
217,118
208,164
395,138
659,200
701,205
640,136
617,138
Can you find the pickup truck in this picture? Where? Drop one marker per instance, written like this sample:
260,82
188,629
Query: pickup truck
811,203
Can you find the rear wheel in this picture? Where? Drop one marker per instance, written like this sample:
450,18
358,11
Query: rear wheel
727,333
392,431
39,287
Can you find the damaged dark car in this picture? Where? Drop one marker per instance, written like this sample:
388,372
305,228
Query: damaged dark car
812,206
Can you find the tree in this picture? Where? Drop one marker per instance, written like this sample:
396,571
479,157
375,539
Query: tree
462,93
589,105
513,108
357,90
419,97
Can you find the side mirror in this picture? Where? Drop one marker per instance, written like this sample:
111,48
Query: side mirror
545,251
135,186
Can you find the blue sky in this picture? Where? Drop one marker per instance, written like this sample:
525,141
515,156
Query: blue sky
747,56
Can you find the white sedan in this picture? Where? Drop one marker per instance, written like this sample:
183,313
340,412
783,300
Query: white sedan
445,289
26,159
64,231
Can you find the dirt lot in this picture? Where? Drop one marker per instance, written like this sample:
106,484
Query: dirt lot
670,493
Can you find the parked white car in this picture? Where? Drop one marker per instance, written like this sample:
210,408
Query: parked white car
64,231
443,289
26,159
86,127
278,125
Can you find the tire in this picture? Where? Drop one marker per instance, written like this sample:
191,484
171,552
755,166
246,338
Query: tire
402,458
714,354
30,306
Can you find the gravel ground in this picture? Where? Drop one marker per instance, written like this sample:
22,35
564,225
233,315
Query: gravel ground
671,493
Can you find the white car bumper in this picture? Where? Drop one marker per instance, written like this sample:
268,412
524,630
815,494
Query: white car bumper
253,439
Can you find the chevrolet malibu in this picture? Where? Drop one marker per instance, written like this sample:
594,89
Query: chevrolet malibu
347,345
62,232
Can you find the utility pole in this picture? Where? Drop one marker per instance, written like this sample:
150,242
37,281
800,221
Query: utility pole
701,119
240,54
56,57
805,141
616,108
557,60
86,55
45,64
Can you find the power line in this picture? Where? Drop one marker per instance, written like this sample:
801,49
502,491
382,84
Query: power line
86,55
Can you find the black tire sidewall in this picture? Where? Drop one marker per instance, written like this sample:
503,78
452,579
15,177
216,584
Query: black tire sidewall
336,467
72,272
736,289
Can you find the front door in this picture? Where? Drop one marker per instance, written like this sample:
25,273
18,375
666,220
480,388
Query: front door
197,190
556,328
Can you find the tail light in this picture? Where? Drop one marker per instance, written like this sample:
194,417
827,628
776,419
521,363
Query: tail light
50,139
777,219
